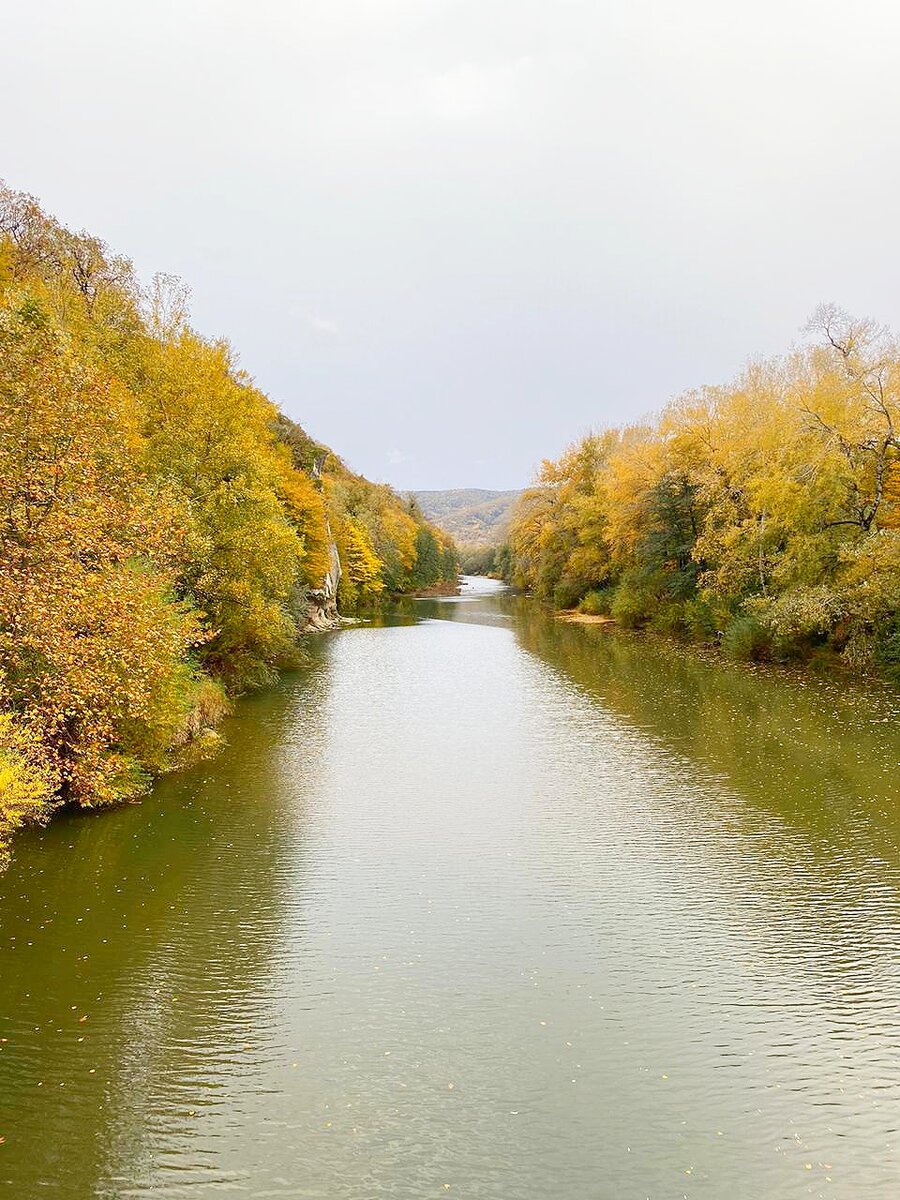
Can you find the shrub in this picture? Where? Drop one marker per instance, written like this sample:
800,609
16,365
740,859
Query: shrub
669,618
567,593
700,620
887,647
596,603
746,639
632,604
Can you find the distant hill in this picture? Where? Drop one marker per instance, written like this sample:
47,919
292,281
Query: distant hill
472,516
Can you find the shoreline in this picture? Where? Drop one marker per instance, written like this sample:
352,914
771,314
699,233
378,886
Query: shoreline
823,665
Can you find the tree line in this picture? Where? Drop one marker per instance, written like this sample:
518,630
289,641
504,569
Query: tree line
762,515
162,525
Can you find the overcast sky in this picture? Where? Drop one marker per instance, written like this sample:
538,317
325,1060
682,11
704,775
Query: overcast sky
450,236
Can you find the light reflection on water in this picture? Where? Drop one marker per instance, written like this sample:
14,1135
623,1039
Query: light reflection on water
486,901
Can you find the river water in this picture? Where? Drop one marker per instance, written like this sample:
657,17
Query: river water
481,905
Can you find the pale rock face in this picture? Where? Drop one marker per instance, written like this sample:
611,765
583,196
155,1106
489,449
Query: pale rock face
323,609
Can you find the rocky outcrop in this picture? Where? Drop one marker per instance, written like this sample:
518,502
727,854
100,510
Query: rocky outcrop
323,610
323,602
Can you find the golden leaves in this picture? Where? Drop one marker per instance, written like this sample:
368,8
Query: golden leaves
775,498
155,529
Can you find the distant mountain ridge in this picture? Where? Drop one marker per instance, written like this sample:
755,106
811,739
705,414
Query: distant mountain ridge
472,516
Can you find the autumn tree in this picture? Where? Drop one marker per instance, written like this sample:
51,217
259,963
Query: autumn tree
164,529
764,512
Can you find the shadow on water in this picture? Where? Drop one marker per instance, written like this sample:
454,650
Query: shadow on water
821,752
795,773
136,950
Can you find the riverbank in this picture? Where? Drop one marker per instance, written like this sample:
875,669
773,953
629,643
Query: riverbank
815,659
447,588
574,617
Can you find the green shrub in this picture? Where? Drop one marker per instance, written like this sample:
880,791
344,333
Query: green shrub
632,604
746,640
567,593
700,621
802,619
596,603
887,647
668,618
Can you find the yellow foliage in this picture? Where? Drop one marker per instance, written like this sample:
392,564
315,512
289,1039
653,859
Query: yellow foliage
160,523
306,508
361,578
27,783
764,499
144,525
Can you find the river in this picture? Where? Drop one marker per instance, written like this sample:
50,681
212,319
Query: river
483,905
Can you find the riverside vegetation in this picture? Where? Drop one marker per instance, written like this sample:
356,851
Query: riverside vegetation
165,532
763,515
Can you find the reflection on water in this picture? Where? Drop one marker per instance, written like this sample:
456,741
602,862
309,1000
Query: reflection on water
479,904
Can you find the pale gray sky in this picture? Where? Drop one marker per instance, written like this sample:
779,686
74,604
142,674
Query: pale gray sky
449,236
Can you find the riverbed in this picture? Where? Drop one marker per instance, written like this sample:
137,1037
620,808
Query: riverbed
478,904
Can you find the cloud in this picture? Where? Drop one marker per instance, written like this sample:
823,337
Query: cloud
396,457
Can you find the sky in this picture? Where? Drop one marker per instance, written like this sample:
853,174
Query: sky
451,236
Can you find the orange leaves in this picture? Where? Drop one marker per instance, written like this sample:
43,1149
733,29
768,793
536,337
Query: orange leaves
250,520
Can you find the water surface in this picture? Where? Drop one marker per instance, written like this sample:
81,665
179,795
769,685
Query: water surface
479,904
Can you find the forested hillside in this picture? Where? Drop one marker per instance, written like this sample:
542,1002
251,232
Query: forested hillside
472,516
165,532
763,514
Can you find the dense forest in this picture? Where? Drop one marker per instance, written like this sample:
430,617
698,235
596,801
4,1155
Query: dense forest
165,532
763,515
